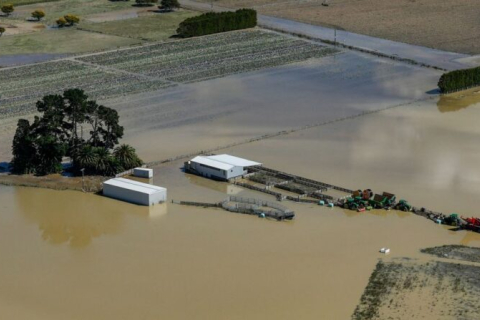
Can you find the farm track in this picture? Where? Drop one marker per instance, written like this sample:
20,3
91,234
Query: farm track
151,67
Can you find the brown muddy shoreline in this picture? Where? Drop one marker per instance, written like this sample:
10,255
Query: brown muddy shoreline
55,181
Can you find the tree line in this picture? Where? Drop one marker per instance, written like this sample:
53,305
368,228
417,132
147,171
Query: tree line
213,22
459,79
71,125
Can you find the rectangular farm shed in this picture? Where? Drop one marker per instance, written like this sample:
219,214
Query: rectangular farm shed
134,191
219,167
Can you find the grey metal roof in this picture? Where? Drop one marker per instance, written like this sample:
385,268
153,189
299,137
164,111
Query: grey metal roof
234,161
212,163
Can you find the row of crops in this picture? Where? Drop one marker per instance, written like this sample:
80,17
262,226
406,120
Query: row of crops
151,67
211,56
21,87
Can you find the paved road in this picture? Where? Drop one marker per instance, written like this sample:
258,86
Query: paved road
441,59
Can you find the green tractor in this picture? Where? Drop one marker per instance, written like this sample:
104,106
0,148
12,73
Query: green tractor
386,200
403,205
452,220
389,199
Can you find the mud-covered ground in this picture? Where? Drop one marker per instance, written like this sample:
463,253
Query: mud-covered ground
54,181
407,289
441,24
456,252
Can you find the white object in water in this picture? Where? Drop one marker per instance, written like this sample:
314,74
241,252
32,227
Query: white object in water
385,250
143,173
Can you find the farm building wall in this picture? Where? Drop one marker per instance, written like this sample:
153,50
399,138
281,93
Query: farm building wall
215,173
134,196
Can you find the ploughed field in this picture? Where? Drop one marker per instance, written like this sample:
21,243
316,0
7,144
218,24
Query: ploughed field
151,67
441,24
407,289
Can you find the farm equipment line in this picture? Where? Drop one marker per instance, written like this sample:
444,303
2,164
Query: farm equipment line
311,191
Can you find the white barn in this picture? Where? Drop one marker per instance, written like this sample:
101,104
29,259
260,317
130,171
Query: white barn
134,191
219,167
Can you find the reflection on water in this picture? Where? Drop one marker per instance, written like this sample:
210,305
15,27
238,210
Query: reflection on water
458,101
74,218
222,187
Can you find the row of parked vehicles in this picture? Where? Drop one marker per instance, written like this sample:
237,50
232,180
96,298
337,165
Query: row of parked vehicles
366,200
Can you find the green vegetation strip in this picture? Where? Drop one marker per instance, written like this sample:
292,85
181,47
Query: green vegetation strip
459,80
215,22
212,56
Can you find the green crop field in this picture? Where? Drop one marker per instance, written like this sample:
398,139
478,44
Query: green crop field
60,41
157,27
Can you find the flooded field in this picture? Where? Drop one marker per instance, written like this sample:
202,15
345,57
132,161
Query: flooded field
70,255
98,258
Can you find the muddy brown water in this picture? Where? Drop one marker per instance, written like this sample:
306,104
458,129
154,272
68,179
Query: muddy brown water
69,255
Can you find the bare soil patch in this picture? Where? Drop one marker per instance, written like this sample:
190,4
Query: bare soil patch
14,27
406,289
456,252
447,25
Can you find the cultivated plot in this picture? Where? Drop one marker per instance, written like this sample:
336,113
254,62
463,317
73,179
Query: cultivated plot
212,56
22,87
151,67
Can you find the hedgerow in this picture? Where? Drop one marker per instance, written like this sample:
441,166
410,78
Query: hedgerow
459,80
216,22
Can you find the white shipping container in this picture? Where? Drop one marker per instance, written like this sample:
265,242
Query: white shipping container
143,173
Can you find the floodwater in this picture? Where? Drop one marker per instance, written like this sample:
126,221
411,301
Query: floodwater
19,59
69,255
219,112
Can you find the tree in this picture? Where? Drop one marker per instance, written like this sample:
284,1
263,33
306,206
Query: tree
71,19
38,14
87,159
2,30
39,147
50,152
61,22
7,9
169,5
23,149
127,157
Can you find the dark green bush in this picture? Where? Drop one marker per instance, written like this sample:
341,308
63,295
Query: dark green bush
212,22
459,80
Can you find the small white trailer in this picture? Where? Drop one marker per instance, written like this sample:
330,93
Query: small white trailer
143,173
134,191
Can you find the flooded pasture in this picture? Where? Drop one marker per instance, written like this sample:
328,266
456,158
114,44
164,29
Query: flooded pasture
70,255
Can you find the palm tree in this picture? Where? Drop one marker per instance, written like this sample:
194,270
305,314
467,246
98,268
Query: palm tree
102,161
87,158
127,157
